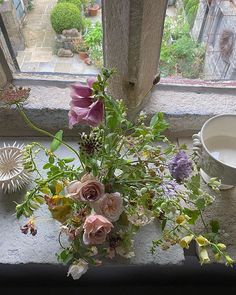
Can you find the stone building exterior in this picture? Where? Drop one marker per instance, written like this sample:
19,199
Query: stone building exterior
12,24
215,27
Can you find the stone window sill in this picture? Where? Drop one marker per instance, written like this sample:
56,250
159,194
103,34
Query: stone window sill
186,104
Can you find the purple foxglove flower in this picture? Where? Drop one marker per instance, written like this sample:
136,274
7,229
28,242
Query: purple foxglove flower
90,81
93,115
77,115
81,102
79,90
180,166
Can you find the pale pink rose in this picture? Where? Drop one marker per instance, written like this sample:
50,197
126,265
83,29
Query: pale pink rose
96,228
110,206
88,189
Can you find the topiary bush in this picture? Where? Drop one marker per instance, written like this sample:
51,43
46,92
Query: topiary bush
77,3
65,16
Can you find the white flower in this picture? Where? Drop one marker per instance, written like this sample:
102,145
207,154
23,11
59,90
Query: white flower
78,269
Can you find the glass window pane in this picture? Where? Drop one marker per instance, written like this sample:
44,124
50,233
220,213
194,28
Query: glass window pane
59,36
199,40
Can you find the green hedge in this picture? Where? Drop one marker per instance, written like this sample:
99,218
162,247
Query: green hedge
66,16
77,3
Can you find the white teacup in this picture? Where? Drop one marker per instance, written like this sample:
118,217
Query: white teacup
216,146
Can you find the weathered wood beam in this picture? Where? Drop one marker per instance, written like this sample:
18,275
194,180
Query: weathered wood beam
132,39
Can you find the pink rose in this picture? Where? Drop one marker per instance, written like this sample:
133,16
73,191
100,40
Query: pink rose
110,206
96,228
88,189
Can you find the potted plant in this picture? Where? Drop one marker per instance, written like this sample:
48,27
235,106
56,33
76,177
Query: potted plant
81,48
93,8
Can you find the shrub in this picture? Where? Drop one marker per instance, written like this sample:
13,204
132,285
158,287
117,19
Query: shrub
180,54
191,7
77,3
94,35
93,39
66,16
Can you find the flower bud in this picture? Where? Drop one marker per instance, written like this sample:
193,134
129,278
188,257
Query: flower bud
143,190
229,260
221,246
180,219
217,257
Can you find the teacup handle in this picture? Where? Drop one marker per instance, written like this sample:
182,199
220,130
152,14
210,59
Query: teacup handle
197,144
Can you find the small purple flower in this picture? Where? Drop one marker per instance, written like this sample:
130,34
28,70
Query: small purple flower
170,188
180,166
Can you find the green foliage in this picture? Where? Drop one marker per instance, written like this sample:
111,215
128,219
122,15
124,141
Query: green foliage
77,3
180,54
93,39
191,7
94,35
56,141
30,5
1,1
66,16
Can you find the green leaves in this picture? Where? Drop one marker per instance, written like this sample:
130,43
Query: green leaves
192,214
215,226
56,141
158,124
194,186
200,203
65,256
31,202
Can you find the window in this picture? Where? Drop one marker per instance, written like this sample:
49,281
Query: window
55,36
199,40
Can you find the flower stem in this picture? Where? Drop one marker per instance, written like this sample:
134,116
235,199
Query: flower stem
30,124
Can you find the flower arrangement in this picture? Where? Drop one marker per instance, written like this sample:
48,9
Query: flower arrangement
129,175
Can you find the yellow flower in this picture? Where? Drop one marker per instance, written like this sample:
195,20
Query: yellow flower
202,241
180,219
185,241
203,255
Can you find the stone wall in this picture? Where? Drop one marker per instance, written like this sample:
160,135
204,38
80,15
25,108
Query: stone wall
12,24
6,52
5,72
3,78
215,26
